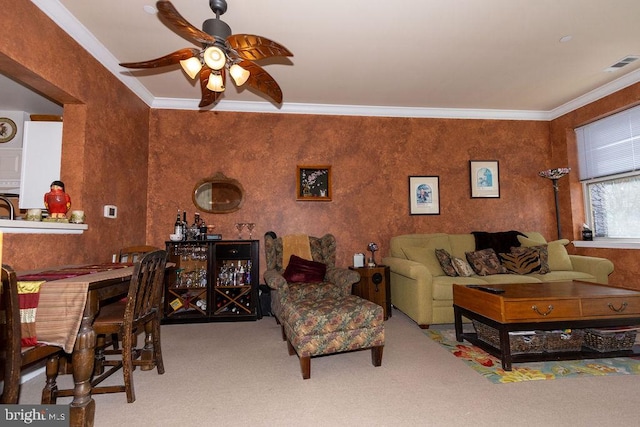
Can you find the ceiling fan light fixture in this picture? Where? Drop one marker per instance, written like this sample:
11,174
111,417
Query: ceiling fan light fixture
214,57
191,66
215,83
239,74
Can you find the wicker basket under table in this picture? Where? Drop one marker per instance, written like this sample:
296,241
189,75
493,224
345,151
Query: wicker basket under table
604,340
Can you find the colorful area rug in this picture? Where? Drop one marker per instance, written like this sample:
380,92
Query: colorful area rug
491,368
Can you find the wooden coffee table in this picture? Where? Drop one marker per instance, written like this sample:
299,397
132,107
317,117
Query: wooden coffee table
544,306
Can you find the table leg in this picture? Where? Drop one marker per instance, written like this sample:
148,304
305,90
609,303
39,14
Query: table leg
505,349
83,406
458,323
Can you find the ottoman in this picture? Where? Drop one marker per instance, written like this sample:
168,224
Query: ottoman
315,327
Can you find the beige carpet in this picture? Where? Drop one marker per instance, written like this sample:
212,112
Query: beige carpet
240,374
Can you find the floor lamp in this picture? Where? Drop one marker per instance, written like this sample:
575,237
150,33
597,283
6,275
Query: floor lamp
554,175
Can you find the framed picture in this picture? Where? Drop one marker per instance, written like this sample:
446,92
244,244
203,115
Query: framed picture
313,183
485,178
424,195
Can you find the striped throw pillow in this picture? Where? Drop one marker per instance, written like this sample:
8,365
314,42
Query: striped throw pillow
521,260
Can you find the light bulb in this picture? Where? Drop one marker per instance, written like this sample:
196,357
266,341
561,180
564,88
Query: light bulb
191,66
214,57
215,83
239,74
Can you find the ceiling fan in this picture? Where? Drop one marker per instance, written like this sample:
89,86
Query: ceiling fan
221,52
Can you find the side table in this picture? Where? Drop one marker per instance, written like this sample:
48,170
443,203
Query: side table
374,285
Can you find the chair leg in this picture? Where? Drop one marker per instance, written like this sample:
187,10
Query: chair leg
127,366
290,348
376,355
284,334
148,351
157,347
114,341
305,367
49,396
98,359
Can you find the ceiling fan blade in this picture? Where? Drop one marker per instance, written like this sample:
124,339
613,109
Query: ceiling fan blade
170,59
208,96
169,13
262,81
253,47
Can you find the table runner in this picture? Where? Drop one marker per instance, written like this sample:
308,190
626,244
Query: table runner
61,301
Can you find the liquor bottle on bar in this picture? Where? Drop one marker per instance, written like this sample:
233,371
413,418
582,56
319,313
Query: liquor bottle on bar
194,232
185,225
177,227
203,230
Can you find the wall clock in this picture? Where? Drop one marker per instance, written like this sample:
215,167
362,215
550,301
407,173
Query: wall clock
8,129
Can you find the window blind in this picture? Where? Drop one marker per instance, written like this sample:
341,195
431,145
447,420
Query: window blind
610,146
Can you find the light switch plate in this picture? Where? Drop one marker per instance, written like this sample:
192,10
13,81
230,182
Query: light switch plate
110,211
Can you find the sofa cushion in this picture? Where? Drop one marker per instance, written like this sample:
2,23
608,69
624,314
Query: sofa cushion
445,262
522,260
558,256
436,240
555,276
500,241
485,262
424,256
443,286
462,267
304,271
460,244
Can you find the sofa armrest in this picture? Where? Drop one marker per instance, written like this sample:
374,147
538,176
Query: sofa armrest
273,278
600,268
343,278
408,268
411,289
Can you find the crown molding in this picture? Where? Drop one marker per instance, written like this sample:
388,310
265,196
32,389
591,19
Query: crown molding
596,94
65,20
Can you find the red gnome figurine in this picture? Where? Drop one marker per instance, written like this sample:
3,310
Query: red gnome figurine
57,201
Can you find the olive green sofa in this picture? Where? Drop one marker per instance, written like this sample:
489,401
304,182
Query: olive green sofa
421,289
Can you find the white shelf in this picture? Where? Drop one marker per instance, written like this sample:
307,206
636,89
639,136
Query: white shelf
38,227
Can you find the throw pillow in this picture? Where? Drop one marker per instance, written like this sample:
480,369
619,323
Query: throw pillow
485,262
558,256
303,271
543,253
522,260
500,241
445,262
462,267
424,256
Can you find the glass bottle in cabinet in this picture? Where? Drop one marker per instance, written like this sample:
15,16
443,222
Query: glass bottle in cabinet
235,289
186,291
212,280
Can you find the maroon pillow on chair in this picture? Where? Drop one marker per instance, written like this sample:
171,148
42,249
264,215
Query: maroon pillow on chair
302,270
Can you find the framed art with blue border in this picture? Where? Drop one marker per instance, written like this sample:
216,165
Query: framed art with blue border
424,195
485,179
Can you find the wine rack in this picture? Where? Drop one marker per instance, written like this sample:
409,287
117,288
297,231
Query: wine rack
212,281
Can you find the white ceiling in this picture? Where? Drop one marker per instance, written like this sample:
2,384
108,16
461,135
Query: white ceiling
15,97
424,58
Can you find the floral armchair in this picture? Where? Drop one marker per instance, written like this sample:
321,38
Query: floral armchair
337,281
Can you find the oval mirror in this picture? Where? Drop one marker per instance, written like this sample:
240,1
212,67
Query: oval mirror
218,194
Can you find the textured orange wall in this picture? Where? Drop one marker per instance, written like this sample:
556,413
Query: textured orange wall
105,157
104,140
371,160
627,267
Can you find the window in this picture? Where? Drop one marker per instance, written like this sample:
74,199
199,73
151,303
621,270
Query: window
609,156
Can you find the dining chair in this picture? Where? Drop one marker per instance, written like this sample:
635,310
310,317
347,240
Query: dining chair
129,254
139,313
134,253
15,357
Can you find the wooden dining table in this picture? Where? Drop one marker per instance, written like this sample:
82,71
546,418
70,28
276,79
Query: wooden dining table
65,313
